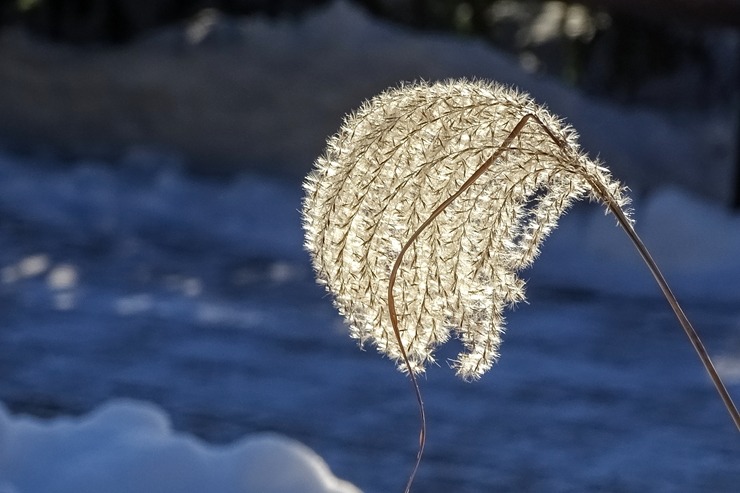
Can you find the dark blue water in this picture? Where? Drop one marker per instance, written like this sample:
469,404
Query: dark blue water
136,280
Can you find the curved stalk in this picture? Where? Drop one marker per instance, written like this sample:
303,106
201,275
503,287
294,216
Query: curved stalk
397,264
693,336
677,310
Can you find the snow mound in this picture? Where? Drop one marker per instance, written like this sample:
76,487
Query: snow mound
694,242
126,446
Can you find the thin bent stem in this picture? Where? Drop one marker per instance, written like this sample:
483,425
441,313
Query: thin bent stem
664,288
394,274
677,310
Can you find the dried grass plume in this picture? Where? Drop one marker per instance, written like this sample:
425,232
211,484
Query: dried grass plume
391,165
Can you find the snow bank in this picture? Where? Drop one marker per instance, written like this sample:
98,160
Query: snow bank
127,446
694,242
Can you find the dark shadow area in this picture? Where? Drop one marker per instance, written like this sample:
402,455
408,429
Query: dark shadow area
674,57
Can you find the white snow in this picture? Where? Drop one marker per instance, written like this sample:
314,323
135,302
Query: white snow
126,446
695,243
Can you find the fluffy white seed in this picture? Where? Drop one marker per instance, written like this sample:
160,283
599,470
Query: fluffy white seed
391,164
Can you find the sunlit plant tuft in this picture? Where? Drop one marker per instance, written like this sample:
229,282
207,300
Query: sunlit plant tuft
388,169
428,202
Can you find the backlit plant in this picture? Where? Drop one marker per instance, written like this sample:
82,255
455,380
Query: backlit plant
428,202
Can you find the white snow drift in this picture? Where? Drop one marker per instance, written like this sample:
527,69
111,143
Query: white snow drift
127,446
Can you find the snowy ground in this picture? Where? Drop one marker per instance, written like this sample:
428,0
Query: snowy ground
132,279
129,446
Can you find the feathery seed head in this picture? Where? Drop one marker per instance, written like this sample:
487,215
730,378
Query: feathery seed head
391,164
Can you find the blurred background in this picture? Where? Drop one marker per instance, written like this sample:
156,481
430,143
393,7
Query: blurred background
250,84
151,153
